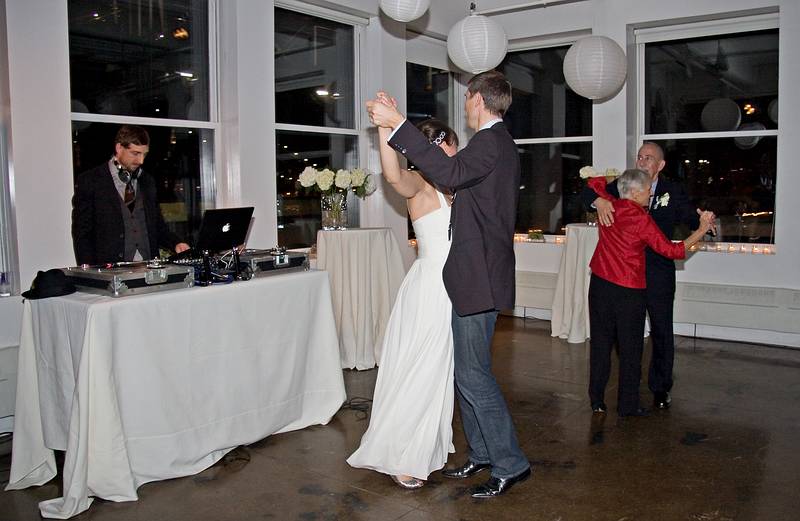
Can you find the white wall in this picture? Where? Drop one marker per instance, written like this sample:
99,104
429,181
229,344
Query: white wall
38,64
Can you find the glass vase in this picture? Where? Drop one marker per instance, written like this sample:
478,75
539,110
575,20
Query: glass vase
334,211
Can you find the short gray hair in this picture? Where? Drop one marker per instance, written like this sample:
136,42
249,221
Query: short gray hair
630,180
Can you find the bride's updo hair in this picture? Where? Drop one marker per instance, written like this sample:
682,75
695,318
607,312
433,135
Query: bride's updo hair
437,132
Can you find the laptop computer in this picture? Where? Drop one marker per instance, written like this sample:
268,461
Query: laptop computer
223,228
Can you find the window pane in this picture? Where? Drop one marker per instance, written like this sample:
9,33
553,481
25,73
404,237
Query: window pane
544,106
176,158
735,178
710,84
428,93
298,210
140,59
314,71
550,187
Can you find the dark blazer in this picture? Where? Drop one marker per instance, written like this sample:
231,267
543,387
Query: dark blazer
98,233
660,270
479,272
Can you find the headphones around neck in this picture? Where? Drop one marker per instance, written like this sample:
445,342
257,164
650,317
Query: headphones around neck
125,175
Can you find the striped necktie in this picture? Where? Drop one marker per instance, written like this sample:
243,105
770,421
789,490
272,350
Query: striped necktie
130,195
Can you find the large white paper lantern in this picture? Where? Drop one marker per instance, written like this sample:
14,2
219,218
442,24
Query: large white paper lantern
720,115
477,44
404,10
748,142
595,67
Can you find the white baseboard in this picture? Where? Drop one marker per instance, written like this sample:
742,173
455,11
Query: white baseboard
719,311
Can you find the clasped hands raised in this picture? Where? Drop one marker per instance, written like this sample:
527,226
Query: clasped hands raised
383,111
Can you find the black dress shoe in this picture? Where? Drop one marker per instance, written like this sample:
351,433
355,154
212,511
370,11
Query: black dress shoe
497,486
662,400
641,411
599,407
466,470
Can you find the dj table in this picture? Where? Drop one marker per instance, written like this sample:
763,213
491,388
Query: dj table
162,385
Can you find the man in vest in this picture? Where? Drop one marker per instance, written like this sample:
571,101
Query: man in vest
115,214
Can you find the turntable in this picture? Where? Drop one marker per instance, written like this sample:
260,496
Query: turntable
273,261
130,278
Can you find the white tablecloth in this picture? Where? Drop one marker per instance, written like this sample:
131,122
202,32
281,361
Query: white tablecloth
365,270
570,313
158,386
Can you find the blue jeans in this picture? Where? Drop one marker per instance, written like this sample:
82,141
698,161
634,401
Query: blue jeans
487,423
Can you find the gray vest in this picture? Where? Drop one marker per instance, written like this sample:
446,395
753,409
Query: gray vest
135,229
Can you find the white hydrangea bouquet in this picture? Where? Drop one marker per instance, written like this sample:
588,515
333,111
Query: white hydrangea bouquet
327,182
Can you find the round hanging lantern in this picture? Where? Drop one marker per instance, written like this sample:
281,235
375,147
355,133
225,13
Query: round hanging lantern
748,142
720,115
772,110
595,67
404,10
477,44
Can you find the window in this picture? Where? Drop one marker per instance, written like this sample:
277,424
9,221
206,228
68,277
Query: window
429,92
315,115
710,99
552,127
149,65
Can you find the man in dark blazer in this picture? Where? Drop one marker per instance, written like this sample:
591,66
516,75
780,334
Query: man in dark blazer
115,214
479,271
669,206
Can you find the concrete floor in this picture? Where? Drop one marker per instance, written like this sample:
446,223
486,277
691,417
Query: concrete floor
726,450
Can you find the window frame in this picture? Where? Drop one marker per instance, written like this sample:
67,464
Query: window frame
534,44
718,27
359,25
208,193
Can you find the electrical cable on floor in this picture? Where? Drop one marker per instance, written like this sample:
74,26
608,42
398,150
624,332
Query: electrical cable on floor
359,405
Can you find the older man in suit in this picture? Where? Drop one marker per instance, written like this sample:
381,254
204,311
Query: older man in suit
669,206
115,215
479,272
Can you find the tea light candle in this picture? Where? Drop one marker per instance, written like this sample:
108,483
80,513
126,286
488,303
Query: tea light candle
756,249
731,248
743,249
767,250
559,240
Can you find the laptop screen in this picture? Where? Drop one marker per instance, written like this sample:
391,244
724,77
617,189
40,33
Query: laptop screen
223,228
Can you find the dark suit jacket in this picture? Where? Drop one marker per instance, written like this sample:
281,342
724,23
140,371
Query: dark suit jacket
479,272
660,270
98,233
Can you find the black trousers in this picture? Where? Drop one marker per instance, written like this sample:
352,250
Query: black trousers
660,298
616,315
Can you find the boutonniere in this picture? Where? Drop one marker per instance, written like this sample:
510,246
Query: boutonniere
662,201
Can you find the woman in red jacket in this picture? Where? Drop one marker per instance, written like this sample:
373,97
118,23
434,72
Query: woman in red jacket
617,287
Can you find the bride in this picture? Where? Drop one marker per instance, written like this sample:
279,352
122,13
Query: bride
410,431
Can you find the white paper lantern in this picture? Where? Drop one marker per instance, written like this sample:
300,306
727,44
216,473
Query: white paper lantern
772,110
404,10
720,115
748,142
595,67
477,44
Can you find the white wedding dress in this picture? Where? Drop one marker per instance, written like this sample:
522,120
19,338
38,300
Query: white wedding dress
410,431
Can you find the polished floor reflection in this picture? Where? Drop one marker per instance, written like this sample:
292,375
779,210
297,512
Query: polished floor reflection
726,450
